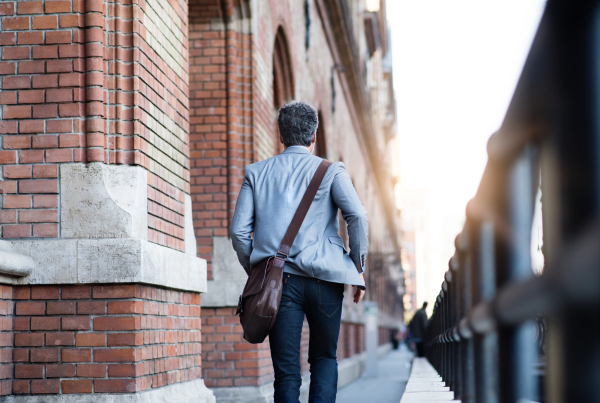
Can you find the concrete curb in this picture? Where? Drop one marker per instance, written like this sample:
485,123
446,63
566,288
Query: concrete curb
425,385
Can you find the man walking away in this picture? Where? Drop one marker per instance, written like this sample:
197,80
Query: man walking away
318,265
417,326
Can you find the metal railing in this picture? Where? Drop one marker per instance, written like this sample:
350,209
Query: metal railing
481,335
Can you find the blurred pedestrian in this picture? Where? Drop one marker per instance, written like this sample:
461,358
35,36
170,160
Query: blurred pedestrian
417,326
395,337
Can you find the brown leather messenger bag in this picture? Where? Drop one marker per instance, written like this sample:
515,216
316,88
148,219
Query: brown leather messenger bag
259,302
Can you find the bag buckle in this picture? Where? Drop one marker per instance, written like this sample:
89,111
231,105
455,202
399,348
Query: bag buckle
283,251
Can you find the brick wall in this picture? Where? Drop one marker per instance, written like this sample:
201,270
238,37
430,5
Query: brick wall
161,127
98,80
103,338
6,339
221,115
42,110
228,360
352,340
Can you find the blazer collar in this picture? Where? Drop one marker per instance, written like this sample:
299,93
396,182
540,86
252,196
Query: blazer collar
296,150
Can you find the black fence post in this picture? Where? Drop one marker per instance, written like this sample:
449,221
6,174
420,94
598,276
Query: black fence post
447,372
456,316
484,287
517,348
466,303
449,323
571,198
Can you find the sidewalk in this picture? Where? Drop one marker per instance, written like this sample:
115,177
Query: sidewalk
387,387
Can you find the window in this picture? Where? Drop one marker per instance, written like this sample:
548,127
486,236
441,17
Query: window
283,81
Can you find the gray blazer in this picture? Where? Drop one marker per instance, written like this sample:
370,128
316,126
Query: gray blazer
268,199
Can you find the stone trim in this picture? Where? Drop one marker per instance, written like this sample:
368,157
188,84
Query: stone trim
116,260
12,263
184,392
104,231
246,394
229,277
103,201
190,238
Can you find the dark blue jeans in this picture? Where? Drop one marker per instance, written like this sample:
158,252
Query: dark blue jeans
321,302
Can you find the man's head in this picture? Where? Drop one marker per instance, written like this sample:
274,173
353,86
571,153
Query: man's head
424,304
298,122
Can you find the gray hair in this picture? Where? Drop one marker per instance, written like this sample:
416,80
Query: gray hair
297,122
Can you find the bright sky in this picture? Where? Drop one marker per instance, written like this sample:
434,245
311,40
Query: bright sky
456,66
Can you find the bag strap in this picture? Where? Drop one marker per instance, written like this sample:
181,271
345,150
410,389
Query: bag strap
307,199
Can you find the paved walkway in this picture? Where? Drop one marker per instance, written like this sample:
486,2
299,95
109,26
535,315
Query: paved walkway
393,374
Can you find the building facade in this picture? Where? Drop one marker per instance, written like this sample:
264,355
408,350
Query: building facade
126,127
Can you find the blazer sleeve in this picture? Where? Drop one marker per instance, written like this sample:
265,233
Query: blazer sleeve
345,197
242,225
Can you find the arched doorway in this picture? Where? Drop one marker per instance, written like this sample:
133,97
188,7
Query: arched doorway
283,81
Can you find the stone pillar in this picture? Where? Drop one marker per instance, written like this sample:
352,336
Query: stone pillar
102,286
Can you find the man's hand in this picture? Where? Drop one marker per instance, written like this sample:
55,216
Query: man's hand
359,293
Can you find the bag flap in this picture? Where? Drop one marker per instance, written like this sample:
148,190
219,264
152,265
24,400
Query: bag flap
257,278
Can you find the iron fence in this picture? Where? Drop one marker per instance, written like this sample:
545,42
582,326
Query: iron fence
482,335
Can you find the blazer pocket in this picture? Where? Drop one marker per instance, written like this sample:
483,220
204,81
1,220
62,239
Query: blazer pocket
337,241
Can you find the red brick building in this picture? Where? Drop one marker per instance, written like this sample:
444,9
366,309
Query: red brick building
126,126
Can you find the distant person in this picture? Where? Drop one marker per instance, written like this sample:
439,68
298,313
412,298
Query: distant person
395,338
417,326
